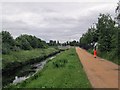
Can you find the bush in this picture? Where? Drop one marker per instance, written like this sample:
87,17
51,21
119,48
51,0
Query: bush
6,48
91,51
7,42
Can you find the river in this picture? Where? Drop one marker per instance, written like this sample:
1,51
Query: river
35,67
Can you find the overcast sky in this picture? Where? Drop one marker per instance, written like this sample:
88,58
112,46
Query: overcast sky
53,20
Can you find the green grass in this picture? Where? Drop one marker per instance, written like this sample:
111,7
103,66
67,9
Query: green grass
25,55
68,74
90,51
111,55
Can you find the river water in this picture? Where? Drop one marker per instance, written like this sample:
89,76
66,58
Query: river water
35,67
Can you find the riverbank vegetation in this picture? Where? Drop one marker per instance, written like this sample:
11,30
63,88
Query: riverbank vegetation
23,42
25,55
64,71
22,51
15,63
23,48
105,33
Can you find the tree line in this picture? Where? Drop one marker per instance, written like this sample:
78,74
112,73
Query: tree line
67,43
105,33
27,42
23,42
71,43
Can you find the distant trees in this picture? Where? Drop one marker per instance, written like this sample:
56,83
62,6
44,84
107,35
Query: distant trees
25,42
28,42
71,43
74,43
57,43
52,43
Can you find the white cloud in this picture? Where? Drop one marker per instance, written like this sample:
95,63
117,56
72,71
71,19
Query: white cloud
59,1
61,21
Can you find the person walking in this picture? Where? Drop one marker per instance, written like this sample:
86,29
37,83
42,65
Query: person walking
95,52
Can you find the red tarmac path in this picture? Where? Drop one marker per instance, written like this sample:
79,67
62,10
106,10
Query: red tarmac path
101,73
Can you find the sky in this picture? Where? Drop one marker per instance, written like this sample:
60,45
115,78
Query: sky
53,20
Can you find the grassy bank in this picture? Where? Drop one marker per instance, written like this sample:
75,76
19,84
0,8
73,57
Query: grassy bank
14,64
111,56
64,71
25,55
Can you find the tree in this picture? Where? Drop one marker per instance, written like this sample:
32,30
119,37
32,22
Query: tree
52,43
30,41
7,38
105,26
58,43
23,43
74,43
8,42
89,38
107,37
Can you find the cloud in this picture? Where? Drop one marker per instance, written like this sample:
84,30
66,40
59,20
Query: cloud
52,20
59,1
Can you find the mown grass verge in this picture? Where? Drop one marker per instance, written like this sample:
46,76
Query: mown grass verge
64,71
